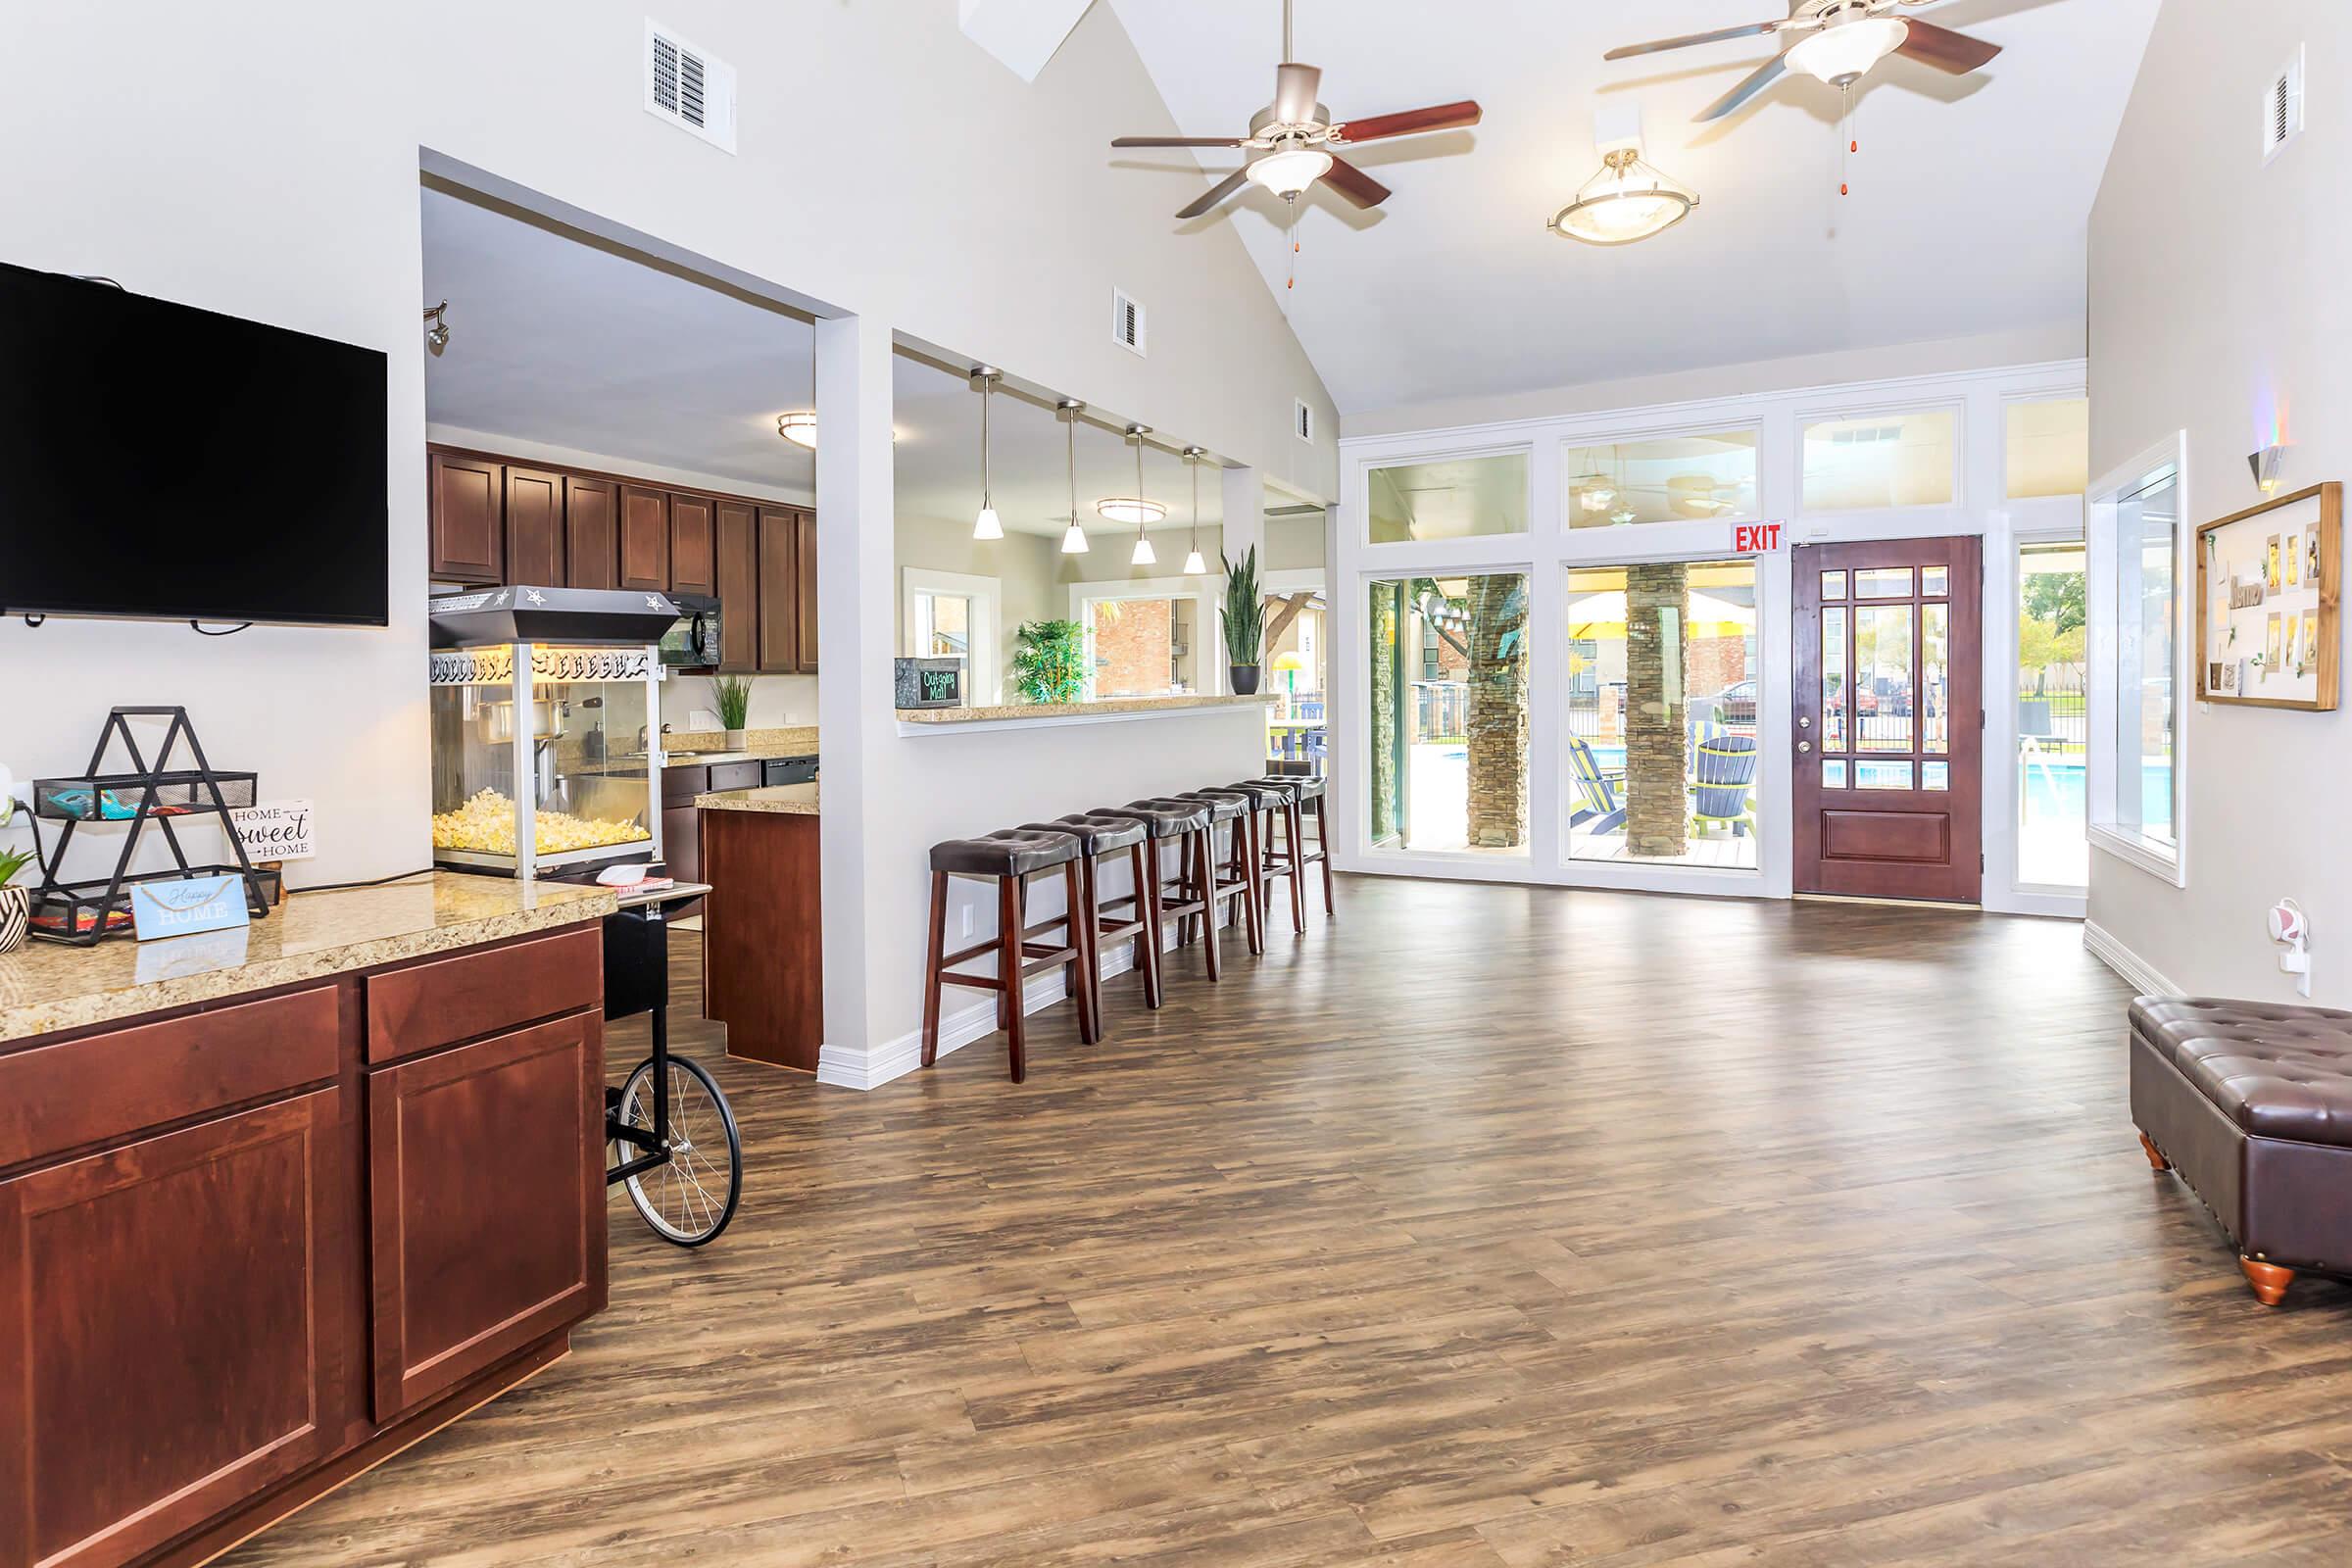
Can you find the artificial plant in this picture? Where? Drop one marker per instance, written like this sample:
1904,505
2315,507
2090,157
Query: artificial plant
1245,610
733,694
1048,661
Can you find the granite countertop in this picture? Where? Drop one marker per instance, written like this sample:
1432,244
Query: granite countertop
1103,706
786,799
45,987
692,747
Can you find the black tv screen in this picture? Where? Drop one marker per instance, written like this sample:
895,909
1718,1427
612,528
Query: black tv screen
161,461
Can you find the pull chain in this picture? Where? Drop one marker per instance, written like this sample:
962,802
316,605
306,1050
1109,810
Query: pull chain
1850,143
1290,238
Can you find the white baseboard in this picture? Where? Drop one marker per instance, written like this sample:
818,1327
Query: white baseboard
2142,977
849,1068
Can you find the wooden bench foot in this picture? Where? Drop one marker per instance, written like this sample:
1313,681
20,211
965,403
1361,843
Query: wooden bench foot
2269,1280
2155,1154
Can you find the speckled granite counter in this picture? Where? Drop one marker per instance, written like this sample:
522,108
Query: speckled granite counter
918,720
45,987
787,799
710,745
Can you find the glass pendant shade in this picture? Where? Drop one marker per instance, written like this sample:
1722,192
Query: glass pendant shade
988,526
1840,53
1287,173
1144,554
1627,201
1073,539
1195,567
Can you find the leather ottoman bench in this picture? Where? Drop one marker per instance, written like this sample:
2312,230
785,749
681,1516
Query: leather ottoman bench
2250,1102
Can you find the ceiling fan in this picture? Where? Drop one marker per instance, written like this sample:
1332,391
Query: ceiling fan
1295,136
1841,41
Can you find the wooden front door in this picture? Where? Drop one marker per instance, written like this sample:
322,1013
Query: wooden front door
1890,719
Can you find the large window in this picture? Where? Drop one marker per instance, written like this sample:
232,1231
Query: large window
1448,731
1455,498
2047,449
946,614
1145,645
2134,809
1664,675
1683,479
1296,645
1888,459
2053,732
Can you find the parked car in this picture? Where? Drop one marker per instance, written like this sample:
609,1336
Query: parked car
1735,704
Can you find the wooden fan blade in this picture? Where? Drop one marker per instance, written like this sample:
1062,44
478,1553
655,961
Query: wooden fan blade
1763,77
1944,49
1216,193
1354,184
1176,141
1295,89
1687,39
1438,116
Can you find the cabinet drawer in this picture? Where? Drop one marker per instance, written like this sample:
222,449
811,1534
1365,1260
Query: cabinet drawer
734,776
680,785
448,1000
61,1097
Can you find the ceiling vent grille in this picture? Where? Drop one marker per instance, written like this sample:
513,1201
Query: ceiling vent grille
2282,109
687,87
1127,322
1302,419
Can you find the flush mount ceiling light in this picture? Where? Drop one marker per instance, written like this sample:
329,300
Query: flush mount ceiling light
1593,492
1843,52
1137,509
1193,566
1073,538
799,427
986,526
1626,201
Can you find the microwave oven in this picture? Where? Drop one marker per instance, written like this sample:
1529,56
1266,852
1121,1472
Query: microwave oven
692,642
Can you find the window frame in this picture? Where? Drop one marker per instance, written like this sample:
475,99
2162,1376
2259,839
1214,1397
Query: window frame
1210,676
1580,538
987,625
2168,862
1470,546
1851,414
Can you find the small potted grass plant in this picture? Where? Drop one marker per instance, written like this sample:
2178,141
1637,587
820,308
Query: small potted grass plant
16,902
733,694
1245,621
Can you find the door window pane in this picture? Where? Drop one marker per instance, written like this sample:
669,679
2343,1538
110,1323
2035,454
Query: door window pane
1449,713
1935,582
1833,585
2048,449
1881,775
1453,498
1892,460
2052,728
1663,750
1934,775
1935,728
1832,678
1883,582
1832,772
1883,678
1683,479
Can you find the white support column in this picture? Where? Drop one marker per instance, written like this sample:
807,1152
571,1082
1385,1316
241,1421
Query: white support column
856,507
1546,687
1244,529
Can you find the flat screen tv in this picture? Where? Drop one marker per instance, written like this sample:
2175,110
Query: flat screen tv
159,460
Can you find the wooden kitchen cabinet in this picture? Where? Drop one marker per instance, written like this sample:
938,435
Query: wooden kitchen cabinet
693,564
779,611
804,570
736,526
591,533
644,538
534,528
464,527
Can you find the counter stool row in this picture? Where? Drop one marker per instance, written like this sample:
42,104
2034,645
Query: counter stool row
1237,885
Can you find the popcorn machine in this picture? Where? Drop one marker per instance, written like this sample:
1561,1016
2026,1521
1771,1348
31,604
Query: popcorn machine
547,728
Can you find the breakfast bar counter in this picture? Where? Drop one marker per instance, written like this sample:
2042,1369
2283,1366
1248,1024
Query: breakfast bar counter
763,940
1104,710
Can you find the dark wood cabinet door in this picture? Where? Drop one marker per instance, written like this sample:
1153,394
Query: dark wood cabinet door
693,566
779,591
174,1331
534,528
804,567
737,551
644,538
486,1202
591,533
467,536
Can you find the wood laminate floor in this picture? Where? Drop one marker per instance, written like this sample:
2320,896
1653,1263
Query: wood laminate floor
1486,1226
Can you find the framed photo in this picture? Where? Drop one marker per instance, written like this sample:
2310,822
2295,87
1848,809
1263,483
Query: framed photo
2269,594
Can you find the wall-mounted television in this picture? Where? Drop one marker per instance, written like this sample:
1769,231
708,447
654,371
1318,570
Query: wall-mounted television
159,460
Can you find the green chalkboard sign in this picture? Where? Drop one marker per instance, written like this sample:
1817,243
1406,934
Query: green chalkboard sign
929,682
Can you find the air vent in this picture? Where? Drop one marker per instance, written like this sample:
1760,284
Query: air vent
1302,419
687,87
2282,107
1127,322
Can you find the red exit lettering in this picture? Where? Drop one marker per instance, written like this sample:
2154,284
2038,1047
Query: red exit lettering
1758,538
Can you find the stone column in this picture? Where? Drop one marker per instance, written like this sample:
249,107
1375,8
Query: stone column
1497,722
1379,634
1657,817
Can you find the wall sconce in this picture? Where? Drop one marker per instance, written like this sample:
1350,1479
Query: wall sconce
2265,465
436,336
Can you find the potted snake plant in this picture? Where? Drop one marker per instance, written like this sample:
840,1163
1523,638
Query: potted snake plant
1245,621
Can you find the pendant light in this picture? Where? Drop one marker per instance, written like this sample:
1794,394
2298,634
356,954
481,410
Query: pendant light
1073,539
1144,510
1193,566
985,526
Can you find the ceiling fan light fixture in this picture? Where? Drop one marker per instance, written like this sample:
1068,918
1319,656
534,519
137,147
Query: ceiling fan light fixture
799,427
1627,201
1288,171
1843,52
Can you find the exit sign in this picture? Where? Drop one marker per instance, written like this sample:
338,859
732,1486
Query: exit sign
1756,538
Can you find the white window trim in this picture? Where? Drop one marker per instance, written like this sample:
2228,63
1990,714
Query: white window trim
2042,519
1469,546
1209,653
1808,415
2168,862
986,660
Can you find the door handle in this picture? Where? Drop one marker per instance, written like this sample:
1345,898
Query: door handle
1804,722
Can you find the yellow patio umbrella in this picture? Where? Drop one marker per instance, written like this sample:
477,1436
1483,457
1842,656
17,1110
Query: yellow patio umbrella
1601,617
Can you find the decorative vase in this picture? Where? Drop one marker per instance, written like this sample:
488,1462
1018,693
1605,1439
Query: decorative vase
1245,679
16,918
735,740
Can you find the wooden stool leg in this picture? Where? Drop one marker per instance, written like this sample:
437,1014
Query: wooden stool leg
1011,900
1074,883
2269,1280
1146,861
1294,836
1323,843
931,981
1184,879
2155,1154
1203,860
1253,878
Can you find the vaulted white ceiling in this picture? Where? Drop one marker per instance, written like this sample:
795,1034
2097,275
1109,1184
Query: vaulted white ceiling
1970,200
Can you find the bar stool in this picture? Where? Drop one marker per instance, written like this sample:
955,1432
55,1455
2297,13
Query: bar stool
1271,801
1098,836
1188,825
1239,877
1311,791
1011,856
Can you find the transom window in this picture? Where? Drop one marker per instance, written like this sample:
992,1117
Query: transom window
1679,478
1882,460
1453,498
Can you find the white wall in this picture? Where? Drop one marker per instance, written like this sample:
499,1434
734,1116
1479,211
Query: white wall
291,197
2218,300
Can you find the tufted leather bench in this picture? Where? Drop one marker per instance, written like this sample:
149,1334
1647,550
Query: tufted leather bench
2250,1103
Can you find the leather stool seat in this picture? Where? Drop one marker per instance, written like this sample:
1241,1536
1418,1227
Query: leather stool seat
1007,851
1309,788
1265,794
1223,805
1162,819
1096,834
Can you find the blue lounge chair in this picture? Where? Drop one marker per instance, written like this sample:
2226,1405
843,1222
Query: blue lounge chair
1723,779
1601,812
